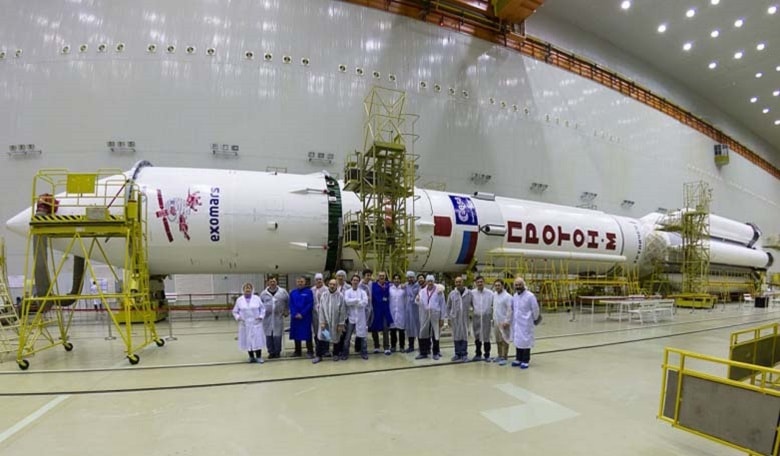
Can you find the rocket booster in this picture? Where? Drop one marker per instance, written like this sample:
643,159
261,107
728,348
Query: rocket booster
229,221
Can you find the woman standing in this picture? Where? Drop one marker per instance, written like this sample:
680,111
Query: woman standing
249,313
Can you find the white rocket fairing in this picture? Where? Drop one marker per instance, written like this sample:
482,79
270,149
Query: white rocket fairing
226,221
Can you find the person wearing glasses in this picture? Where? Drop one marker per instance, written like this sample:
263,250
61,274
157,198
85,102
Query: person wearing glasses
525,311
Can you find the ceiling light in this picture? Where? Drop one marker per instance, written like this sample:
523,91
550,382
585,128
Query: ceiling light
760,46
777,68
759,74
754,99
713,65
662,28
765,110
625,5
738,23
738,55
777,122
690,13
776,93
714,33
687,46
714,2
772,9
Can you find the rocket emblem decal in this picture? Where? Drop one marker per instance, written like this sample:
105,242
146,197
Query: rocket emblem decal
177,210
465,211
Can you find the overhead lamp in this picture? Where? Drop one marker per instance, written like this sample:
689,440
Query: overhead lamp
713,65
662,28
777,122
738,55
714,2
776,93
23,150
772,9
121,147
224,150
760,46
765,110
753,99
739,22
687,46
480,178
625,5
714,33
759,74
690,13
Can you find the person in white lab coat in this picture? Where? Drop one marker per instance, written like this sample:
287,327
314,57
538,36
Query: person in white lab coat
277,306
502,320
333,312
357,301
317,291
412,309
483,318
432,308
398,312
249,313
458,304
525,311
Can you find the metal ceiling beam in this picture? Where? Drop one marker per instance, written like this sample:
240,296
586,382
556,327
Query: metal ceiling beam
466,16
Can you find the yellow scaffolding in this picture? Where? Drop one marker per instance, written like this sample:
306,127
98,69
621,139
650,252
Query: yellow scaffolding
383,176
9,319
90,217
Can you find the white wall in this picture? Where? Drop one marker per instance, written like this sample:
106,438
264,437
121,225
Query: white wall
577,136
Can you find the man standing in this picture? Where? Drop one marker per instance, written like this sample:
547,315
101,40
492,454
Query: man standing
333,311
525,310
398,314
458,303
431,306
276,302
356,301
380,307
317,291
412,309
502,319
301,305
483,318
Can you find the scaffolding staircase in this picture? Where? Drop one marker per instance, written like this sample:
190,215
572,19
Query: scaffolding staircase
95,218
9,319
382,175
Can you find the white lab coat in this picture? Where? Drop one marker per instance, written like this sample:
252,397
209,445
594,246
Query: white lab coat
525,309
483,314
333,312
432,306
458,304
398,306
249,315
276,305
357,301
502,313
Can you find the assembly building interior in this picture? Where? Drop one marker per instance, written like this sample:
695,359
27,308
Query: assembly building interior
571,207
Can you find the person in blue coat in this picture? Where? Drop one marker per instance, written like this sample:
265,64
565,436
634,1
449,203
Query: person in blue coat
381,318
301,305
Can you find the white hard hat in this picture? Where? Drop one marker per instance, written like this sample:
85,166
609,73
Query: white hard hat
318,276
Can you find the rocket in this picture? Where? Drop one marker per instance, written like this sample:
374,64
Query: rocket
233,221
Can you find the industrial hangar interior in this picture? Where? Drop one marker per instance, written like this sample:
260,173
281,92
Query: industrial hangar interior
620,156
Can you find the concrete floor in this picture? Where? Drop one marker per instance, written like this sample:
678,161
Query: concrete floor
593,388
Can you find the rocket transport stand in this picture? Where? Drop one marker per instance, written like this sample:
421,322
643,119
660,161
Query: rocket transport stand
85,216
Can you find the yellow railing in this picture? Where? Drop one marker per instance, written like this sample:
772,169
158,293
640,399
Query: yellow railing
681,366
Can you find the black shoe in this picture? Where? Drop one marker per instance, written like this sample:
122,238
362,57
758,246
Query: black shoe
296,354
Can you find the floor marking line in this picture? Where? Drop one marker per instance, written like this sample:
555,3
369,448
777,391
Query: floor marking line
8,433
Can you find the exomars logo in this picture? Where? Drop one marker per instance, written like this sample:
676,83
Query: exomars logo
214,214
529,234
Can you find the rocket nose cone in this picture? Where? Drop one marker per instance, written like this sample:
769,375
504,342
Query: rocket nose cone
19,223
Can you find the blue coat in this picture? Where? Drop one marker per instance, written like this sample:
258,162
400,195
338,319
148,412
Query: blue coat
380,304
301,302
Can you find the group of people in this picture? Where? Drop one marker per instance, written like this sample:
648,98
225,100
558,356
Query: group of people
326,317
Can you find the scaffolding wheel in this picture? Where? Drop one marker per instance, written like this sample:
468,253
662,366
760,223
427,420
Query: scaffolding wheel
159,342
133,359
68,346
23,364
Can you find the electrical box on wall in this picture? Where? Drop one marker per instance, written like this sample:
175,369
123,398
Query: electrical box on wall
721,154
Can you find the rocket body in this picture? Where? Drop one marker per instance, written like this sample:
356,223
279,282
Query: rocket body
228,221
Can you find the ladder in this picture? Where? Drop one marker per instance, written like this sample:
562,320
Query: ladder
9,320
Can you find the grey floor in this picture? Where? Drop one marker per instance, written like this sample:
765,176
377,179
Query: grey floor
593,388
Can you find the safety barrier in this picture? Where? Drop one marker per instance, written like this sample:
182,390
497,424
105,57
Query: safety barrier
762,349
740,415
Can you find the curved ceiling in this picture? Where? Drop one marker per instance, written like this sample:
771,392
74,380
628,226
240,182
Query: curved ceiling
746,86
